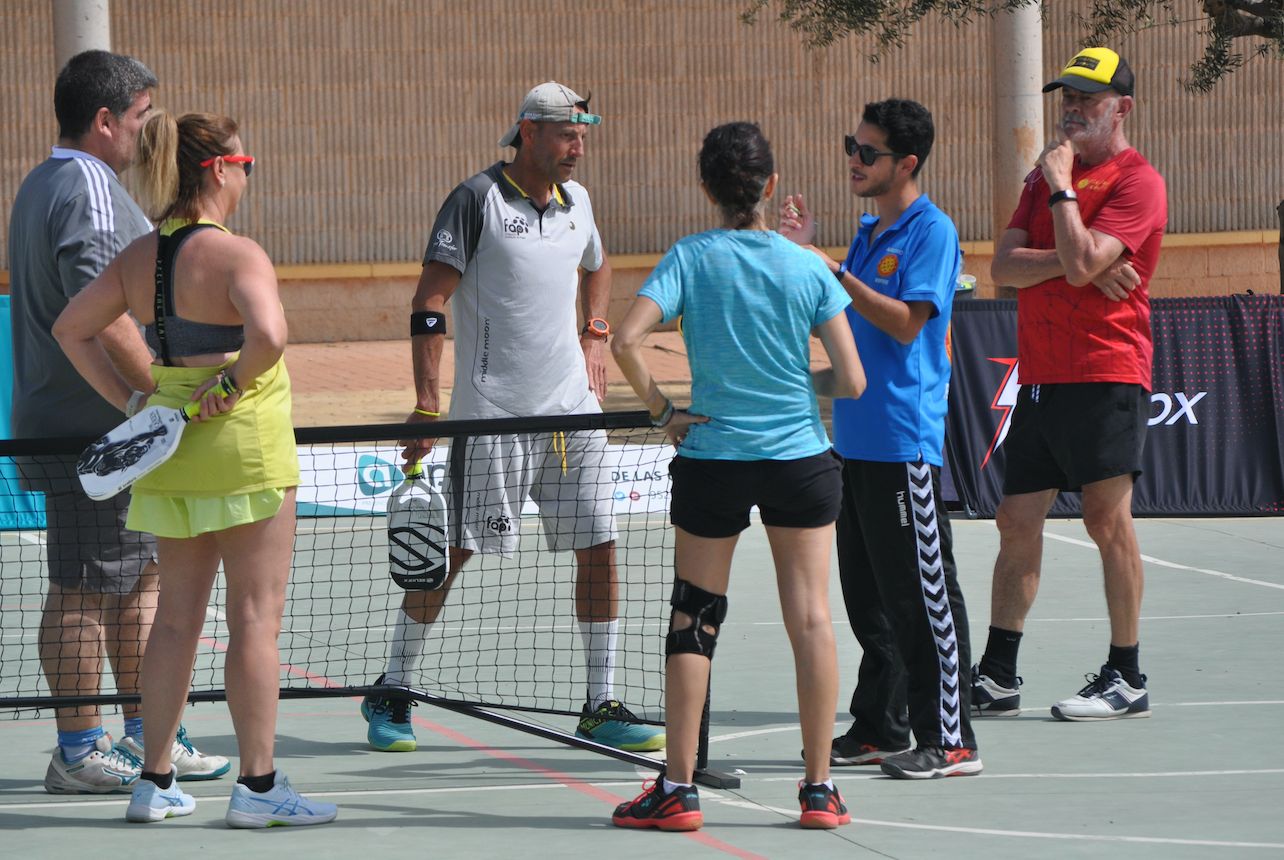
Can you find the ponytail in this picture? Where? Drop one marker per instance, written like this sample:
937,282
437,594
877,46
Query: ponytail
157,170
170,178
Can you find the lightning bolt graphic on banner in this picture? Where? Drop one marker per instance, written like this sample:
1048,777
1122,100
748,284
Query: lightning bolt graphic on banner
1004,400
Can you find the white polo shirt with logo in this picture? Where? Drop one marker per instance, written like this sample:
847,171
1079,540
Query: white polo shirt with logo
517,346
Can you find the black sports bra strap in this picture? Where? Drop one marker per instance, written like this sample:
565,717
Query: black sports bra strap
163,306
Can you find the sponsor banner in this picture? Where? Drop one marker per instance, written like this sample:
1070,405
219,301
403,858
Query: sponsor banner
359,480
1215,442
18,508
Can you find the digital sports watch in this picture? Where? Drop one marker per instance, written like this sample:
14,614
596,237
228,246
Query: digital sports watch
597,327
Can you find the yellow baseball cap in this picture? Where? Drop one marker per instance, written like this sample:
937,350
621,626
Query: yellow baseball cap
1093,70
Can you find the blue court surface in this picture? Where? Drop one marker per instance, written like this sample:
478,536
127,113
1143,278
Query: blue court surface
1204,777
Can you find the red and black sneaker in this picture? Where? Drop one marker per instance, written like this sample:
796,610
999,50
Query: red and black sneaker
933,763
822,807
679,810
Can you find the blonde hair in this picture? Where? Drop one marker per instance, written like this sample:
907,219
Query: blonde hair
170,178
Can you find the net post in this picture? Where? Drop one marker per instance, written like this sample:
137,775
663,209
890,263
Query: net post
703,774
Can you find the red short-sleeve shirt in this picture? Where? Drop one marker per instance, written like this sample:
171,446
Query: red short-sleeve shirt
1075,334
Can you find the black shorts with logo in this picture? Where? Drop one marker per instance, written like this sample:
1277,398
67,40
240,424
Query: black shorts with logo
1069,434
712,498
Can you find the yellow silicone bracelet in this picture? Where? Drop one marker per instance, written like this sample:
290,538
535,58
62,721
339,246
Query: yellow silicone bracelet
419,411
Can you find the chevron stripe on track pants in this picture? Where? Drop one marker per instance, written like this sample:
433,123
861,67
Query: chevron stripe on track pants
901,590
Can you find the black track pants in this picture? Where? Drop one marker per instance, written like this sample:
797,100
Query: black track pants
901,590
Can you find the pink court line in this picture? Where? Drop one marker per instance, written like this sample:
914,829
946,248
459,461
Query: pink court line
557,776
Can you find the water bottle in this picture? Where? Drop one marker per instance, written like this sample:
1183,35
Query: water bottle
417,553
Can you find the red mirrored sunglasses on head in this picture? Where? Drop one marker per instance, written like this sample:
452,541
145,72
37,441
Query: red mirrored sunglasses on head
247,161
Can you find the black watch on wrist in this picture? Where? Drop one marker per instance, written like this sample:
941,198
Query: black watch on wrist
1059,196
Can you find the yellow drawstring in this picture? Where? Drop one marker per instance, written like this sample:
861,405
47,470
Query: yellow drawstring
559,436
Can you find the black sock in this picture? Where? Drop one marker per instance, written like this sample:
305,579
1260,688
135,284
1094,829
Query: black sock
1000,658
162,780
1125,661
258,784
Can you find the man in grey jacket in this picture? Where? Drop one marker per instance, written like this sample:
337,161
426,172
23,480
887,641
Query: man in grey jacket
70,218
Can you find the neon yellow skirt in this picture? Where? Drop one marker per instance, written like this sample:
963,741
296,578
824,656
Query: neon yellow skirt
189,516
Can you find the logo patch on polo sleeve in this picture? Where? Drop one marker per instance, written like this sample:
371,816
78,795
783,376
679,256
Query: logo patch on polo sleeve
445,241
888,265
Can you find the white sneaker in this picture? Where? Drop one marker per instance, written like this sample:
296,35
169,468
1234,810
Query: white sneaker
1107,697
192,764
281,806
104,770
150,802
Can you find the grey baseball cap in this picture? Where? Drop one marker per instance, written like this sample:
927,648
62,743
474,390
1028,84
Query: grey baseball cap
551,102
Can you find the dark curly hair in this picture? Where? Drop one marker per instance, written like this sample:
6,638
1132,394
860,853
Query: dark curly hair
735,164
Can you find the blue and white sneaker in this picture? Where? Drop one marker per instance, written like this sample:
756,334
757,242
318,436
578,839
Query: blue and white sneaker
282,806
1107,697
150,802
614,725
991,699
106,769
192,764
389,719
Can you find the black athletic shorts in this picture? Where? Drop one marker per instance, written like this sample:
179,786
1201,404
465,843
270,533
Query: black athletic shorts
1069,434
712,498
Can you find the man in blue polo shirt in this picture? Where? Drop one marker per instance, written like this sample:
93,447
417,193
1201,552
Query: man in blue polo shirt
895,552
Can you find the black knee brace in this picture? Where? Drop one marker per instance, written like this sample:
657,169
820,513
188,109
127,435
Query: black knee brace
707,612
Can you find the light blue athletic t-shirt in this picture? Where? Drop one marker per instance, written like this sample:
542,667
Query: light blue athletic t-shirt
901,416
748,301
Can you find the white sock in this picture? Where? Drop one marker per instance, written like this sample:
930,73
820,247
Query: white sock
405,650
670,786
599,657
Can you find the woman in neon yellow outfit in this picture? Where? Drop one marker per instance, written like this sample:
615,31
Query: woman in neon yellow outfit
214,319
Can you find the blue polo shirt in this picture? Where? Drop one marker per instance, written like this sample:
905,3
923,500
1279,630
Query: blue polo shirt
901,416
749,300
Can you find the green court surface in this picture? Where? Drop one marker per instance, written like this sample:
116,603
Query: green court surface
1204,777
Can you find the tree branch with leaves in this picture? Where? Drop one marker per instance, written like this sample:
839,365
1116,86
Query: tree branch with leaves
1226,24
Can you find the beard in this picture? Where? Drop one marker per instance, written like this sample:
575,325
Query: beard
876,190
1094,131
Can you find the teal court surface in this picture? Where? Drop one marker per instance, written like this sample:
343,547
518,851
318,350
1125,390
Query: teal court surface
1203,777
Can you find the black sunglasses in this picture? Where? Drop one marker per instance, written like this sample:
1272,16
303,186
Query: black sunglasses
868,154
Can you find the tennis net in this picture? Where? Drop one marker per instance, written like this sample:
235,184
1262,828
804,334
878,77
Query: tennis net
507,636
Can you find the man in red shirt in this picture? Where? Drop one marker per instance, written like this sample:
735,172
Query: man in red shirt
1081,249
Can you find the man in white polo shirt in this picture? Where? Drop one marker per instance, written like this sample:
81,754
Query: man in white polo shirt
515,246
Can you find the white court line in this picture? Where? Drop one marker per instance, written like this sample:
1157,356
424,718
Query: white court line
735,736
1170,774
1177,617
1159,561
356,792
1027,834
726,801
839,622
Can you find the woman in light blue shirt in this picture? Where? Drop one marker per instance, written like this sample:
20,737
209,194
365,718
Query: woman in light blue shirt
749,301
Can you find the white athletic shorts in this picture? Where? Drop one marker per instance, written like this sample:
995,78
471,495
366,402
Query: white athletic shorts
562,473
